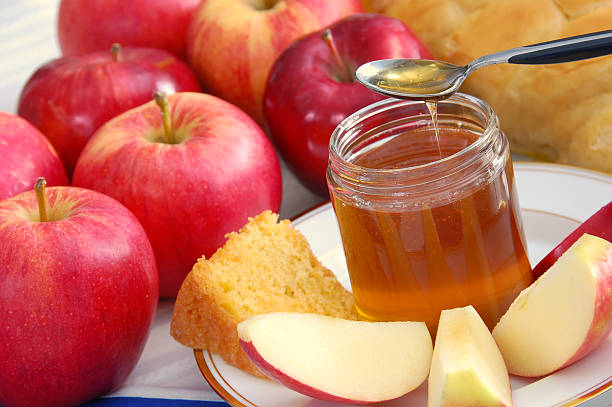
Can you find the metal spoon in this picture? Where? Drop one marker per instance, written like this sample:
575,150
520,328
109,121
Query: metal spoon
433,80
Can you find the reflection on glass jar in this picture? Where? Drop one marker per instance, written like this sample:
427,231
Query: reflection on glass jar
428,223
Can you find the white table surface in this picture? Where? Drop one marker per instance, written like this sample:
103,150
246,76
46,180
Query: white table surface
28,33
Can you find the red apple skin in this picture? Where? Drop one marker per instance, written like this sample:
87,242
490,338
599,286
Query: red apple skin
25,155
599,224
77,298
69,98
85,26
306,97
601,326
187,196
231,45
290,382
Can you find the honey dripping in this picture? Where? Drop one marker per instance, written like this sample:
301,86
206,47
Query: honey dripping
432,105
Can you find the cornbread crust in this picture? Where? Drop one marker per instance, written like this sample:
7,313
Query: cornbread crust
267,266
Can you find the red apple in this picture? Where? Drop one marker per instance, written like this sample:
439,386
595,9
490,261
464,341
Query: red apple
189,180
232,44
78,292
25,155
310,91
85,26
68,98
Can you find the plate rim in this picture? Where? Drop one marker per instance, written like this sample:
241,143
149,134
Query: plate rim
208,375
588,394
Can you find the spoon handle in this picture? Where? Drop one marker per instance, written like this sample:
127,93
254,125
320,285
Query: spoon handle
551,52
564,50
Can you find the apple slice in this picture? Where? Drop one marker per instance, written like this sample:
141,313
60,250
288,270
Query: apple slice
467,368
336,359
563,315
599,224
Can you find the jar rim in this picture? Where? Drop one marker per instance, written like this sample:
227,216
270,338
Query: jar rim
491,128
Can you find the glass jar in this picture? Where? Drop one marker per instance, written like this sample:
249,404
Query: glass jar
429,221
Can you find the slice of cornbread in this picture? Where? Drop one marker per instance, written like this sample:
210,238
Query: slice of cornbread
267,266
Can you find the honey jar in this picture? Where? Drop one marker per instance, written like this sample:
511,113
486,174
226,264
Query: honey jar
429,220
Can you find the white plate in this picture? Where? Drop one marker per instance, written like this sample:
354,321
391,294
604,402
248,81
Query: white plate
554,199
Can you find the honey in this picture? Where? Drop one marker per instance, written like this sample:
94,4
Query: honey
428,222
414,77
432,106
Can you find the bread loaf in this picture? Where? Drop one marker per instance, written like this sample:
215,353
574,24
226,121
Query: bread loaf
266,267
560,112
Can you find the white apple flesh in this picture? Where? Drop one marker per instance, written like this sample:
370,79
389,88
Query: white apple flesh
562,316
467,368
338,360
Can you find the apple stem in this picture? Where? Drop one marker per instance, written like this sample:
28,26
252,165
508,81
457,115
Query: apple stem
345,72
41,197
115,48
161,98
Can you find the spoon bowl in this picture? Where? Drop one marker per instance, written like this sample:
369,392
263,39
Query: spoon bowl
412,78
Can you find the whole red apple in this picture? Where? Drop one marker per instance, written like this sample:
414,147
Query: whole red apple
25,155
85,26
78,292
310,90
190,176
68,98
232,44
